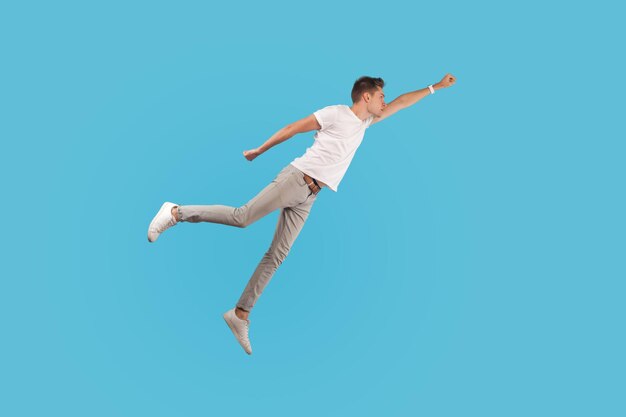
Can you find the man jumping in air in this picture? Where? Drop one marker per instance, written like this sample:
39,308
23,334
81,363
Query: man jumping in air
340,130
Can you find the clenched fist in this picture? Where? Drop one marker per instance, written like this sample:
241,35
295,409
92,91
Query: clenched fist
251,154
447,81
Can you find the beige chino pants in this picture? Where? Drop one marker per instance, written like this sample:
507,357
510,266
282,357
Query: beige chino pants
287,192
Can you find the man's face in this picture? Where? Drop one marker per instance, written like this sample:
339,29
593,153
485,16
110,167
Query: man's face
376,103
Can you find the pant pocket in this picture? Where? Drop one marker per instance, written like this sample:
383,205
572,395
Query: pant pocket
294,189
300,179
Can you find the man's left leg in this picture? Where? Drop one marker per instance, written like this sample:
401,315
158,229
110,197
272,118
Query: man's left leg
290,222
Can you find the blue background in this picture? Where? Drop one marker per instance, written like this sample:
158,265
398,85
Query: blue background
471,264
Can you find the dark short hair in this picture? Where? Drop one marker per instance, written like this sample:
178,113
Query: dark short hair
365,84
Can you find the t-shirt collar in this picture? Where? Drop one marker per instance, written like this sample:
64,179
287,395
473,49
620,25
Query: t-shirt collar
354,115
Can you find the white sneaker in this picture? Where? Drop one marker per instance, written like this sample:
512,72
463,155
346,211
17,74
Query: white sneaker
162,221
240,329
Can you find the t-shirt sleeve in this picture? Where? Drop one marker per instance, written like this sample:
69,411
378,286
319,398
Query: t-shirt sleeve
368,121
326,116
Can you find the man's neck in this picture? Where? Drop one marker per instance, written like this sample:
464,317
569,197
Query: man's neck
360,111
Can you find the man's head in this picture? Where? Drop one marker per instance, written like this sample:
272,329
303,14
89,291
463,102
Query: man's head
369,92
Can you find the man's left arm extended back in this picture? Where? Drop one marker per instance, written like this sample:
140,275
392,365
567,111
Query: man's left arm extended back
303,125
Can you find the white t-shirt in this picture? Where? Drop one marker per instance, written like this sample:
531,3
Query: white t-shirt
335,144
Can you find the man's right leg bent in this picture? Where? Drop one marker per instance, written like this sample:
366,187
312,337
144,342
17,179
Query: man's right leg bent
262,204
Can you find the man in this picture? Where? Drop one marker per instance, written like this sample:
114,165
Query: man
340,130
